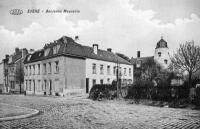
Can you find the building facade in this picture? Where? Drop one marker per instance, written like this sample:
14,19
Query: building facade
13,71
101,68
65,67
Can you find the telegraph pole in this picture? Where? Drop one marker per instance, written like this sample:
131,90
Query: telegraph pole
117,79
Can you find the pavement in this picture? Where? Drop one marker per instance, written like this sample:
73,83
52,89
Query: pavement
82,113
10,112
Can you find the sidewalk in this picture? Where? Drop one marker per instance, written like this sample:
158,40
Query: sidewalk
10,112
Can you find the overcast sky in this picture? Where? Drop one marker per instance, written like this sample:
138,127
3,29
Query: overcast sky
126,26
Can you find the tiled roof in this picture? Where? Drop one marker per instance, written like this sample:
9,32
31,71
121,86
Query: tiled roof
70,48
103,55
143,59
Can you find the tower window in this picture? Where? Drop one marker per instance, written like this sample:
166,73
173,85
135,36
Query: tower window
165,61
159,54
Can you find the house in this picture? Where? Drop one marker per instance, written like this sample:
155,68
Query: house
13,70
65,67
101,67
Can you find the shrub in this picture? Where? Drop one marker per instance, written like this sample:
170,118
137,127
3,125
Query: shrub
99,91
162,92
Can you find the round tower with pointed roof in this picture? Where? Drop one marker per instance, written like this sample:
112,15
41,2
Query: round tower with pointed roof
161,55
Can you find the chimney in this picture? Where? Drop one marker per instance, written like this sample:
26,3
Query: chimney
16,50
31,51
7,56
24,52
109,50
76,38
138,54
95,48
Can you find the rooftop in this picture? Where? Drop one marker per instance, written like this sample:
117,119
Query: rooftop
68,47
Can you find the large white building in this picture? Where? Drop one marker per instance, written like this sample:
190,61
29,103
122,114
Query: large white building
65,67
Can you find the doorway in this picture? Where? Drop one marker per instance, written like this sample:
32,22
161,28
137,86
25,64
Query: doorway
87,85
50,87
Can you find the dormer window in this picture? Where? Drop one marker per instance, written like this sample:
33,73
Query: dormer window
46,52
138,63
159,54
56,49
28,58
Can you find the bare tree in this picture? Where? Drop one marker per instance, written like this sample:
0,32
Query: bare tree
187,58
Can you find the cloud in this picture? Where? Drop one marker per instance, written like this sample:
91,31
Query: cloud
114,24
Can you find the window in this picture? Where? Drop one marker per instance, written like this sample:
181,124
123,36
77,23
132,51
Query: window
101,81
49,67
129,71
94,69
39,85
38,69
45,85
138,63
165,61
46,52
101,69
114,70
55,49
124,71
108,69
30,70
57,67
29,85
94,82
33,69
120,71
26,85
159,54
45,68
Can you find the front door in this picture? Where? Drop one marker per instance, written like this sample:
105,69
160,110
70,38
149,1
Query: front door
87,85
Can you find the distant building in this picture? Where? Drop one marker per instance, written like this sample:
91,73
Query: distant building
65,67
13,70
161,58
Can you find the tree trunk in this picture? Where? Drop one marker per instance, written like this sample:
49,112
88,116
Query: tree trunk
190,80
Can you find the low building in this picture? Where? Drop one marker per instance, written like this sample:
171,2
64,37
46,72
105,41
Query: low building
65,67
101,67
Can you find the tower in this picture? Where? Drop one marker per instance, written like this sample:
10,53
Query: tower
161,55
